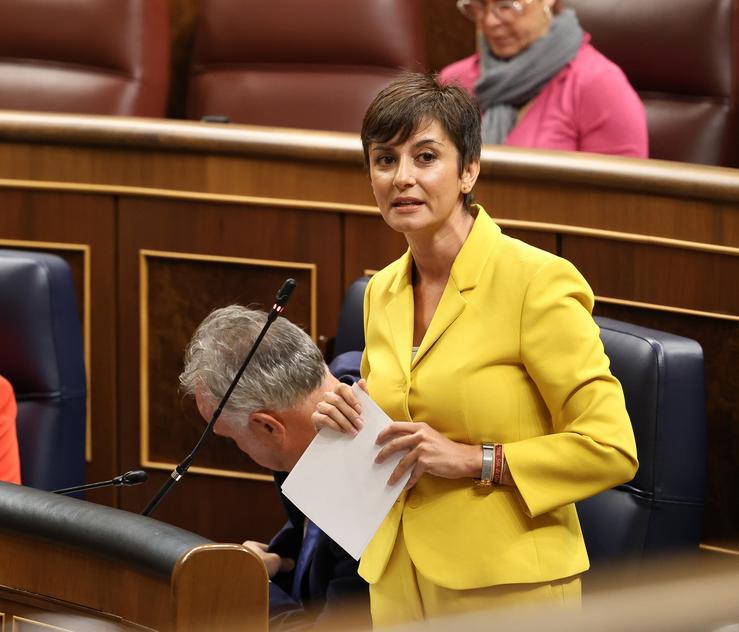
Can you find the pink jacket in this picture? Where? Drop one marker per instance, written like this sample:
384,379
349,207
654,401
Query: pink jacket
588,106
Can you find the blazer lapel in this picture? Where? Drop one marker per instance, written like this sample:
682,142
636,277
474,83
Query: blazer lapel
450,307
465,274
399,312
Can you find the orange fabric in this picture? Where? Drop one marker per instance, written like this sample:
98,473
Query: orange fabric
10,467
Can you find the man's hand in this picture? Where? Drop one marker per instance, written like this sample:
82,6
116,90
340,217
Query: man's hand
274,563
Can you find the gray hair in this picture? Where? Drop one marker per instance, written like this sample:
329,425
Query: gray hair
285,369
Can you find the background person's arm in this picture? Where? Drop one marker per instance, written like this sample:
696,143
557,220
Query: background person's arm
611,117
9,460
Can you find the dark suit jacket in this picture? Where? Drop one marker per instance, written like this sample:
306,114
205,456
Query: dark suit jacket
330,582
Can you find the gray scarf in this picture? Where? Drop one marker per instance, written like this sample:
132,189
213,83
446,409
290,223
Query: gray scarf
506,85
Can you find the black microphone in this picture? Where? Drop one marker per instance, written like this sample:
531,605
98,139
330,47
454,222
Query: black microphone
279,306
283,294
134,477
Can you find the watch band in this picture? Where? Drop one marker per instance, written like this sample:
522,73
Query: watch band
488,456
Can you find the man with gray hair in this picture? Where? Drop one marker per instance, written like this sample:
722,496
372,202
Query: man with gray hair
269,418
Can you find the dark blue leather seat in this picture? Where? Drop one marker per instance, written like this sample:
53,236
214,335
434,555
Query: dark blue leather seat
42,355
661,509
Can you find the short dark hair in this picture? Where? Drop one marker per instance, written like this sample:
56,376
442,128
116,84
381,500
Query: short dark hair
414,98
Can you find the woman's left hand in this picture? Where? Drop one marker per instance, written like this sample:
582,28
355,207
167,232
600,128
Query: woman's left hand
429,452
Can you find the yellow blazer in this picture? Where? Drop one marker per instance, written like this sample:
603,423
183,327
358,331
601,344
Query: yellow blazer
512,356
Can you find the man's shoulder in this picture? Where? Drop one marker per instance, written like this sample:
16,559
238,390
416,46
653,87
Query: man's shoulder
345,366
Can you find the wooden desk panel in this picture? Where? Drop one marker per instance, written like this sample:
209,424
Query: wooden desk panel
671,277
47,585
645,197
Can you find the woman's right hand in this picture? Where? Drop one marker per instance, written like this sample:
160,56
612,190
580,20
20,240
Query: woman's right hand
339,409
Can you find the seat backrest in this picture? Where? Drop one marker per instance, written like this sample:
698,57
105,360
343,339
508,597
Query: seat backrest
105,57
350,334
661,509
683,60
307,64
42,356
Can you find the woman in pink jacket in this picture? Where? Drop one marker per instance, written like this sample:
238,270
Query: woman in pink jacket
540,83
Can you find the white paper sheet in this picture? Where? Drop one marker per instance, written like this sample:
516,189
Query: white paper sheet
338,485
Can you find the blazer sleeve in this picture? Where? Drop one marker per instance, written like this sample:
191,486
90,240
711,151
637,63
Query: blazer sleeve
591,446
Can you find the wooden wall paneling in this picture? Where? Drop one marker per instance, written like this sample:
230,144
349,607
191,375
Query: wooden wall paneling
370,244
36,218
540,239
224,508
648,197
177,291
318,181
649,273
594,206
85,164
720,341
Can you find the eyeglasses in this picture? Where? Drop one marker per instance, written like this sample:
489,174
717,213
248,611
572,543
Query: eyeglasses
504,10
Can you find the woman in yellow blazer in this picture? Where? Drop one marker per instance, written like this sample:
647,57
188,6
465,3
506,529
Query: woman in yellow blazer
484,350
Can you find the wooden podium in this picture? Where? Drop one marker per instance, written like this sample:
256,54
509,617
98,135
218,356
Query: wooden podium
76,566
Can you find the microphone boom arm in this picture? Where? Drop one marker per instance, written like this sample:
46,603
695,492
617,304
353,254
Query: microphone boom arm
134,477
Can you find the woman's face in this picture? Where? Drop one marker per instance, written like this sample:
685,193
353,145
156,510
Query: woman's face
508,38
417,183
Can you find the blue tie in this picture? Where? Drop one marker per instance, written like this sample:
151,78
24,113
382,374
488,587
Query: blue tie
310,539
